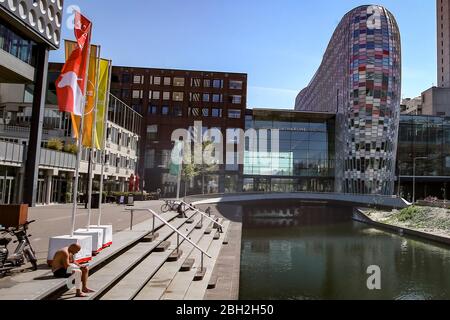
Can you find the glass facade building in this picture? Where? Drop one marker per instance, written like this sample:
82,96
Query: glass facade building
359,80
304,158
427,139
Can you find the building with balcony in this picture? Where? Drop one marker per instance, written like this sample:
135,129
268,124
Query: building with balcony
29,29
57,165
360,81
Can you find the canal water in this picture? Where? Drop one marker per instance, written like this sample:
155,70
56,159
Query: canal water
304,252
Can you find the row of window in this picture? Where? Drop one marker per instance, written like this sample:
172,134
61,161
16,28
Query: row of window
177,111
179,81
179,96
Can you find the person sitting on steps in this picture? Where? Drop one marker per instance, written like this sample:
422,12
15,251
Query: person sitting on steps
63,260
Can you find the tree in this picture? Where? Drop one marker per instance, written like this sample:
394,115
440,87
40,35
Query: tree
191,169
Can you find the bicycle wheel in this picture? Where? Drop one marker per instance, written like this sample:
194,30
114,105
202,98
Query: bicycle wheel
165,208
31,258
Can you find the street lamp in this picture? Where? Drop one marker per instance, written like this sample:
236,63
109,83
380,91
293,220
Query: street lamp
414,176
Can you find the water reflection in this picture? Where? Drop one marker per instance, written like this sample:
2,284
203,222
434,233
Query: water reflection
321,254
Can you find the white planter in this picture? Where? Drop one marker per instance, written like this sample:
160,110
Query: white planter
97,238
57,243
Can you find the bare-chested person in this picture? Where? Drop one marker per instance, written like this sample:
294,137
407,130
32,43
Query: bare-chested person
63,259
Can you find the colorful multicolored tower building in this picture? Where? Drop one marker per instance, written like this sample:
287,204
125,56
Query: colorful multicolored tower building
360,80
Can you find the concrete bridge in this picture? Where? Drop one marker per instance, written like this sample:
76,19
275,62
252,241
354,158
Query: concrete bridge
378,201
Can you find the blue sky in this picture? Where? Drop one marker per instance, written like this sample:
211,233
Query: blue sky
278,43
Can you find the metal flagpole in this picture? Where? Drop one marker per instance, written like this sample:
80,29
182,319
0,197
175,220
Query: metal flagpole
80,142
105,124
93,133
180,168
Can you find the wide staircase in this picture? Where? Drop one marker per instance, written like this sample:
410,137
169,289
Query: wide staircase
161,265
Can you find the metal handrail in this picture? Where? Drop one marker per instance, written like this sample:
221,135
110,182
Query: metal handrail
202,213
171,227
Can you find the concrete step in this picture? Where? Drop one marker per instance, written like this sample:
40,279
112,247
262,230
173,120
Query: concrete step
129,286
156,287
163,246
180,283
187,265
213,282
27,288
197,289
121,265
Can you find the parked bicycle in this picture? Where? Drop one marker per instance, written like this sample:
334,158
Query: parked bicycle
23,252
169,205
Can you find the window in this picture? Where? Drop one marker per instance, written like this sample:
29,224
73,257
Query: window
194,112
206,97
137,94
167,81
178,96
205,112
125,94
178,111
234,99
196,82
152,132
125,78
152,110
178,82
138,79
156,95
234,114
157,80
216,113
150,159
195,97
218,84
235,84
166,95
217,98
165,110
206,83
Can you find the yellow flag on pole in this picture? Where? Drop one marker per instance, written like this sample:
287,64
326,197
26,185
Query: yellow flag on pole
102,108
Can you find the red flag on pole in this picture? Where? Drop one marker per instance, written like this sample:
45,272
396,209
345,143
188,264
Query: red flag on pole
70,85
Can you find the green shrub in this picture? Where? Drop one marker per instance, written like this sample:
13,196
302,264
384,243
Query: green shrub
408,213
71,148
55,144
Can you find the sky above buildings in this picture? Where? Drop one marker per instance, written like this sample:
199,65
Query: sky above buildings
278,43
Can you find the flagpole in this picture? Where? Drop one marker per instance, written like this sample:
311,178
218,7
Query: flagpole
180,168
105,124
80,142
93,133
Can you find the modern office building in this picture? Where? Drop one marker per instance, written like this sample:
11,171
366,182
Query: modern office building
426,139
360,81
29,29
175,99
304,158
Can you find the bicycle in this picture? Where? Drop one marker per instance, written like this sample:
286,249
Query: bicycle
169,205
24,250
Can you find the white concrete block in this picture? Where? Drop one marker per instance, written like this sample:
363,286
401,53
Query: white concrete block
97,238
57,243
107,234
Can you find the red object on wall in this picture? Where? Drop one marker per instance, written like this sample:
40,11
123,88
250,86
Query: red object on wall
131,183
136,183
